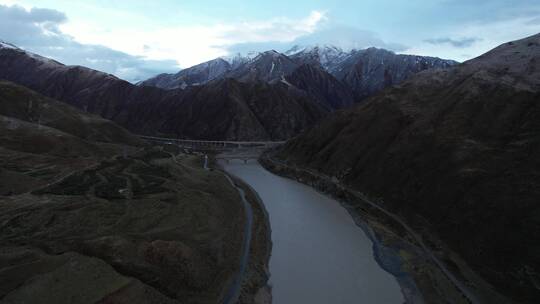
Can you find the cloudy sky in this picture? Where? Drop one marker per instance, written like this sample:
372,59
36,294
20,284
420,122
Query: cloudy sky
137,39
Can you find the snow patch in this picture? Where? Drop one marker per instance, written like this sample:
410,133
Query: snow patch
6,45
239,59
44,60
285,81
295,50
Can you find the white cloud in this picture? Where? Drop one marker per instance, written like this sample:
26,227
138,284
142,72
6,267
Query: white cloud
79,41
38,30
345,37
190,45
490,35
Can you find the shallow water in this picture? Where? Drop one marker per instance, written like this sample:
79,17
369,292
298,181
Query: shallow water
319,254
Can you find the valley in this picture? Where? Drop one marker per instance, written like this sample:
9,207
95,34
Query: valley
293,160
453,152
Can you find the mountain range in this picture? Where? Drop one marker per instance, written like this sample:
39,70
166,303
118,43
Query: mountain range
226,109
268,97
360,72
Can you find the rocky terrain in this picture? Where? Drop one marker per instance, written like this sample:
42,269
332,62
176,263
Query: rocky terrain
455,153
366,72
90,214
369,71
326,56
267,66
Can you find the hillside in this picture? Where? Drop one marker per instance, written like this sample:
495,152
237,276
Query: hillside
457,153
90,214
20,103
228,109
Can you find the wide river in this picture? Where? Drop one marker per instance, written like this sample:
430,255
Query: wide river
319,254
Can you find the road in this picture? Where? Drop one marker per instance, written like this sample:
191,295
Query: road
232,294
234,291
457,283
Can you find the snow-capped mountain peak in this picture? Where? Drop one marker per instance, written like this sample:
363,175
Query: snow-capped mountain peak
238,59
316,48
44,60
327,56
363,71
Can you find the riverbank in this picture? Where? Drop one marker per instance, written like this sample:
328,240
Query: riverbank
422,277
254,287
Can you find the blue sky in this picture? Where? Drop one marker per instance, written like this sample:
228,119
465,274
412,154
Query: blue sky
136,39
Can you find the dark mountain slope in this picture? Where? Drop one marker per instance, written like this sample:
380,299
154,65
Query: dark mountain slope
235,110
23,104
321,86
84,88
241,114
459,148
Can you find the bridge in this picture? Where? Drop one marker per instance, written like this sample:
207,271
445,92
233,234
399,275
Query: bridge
212,144
225,150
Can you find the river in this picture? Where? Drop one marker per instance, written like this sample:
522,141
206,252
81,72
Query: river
319,255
